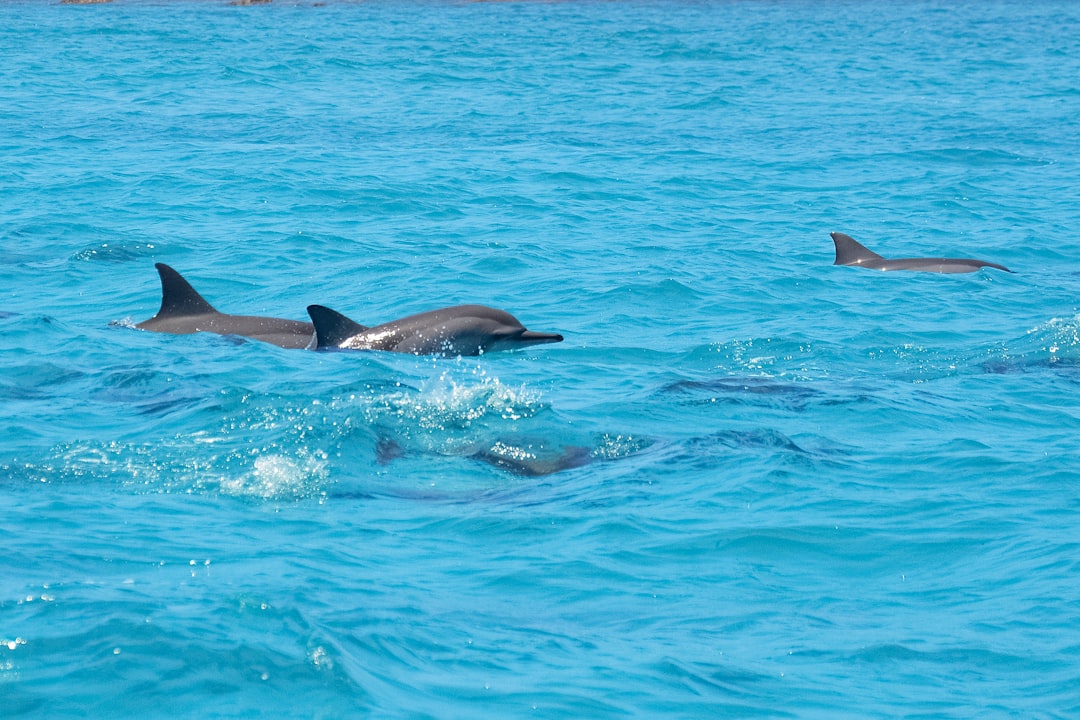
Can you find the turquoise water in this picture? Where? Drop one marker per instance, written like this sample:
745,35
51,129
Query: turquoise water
813,491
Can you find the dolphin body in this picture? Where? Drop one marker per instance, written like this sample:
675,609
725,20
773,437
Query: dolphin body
850,252
452,331
523,464
184,311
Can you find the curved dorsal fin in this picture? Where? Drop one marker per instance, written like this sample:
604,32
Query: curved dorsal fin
331,327
850,252
178,298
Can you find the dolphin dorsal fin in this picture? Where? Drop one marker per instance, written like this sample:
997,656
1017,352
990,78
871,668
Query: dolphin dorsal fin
331,327
177,295
851,252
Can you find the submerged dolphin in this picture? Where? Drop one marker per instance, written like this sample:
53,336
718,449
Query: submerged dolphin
184,311
505,457
459,330
850,252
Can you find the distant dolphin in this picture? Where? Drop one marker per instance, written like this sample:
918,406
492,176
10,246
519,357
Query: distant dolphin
526,464
850,252
460,330
184,311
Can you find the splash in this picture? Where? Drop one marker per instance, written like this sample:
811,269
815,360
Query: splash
269,446
278,476
179,466
447,405
1052,344
1059,338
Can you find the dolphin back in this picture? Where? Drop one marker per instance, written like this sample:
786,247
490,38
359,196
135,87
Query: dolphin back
332,329
850,252
184,311
178,297
945,266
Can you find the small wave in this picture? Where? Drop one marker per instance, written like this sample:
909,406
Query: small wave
1054,344
744,390
664,291
114,253
262,473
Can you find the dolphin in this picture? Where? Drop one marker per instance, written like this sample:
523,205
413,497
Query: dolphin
452,331
184,311
850,252
504,457
530,466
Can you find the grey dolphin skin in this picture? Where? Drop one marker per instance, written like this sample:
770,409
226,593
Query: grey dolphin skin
184,311
850,252
452,331
523,464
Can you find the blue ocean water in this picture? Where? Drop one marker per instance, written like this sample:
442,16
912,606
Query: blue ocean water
813,491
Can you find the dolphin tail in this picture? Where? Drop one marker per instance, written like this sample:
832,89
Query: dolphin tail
178,298
850,252
331,327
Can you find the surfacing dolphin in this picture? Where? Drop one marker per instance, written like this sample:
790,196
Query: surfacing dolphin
506,457
184,311
452,331
850,252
